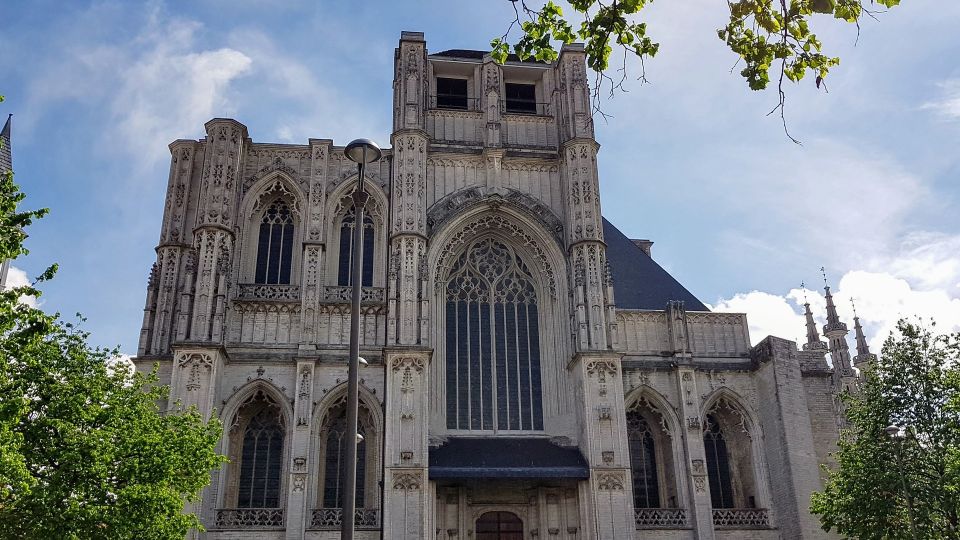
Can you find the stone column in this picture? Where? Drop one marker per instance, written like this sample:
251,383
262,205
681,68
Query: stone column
297,511
788,439
216,214
408,505
603,441
700,516
311,288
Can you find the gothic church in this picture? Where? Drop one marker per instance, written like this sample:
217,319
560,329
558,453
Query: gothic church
530,371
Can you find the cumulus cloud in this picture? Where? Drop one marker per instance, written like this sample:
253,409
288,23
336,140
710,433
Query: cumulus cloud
18,278
947,105
881,299
158,85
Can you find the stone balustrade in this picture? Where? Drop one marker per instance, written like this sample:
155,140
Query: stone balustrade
332,518
741,518
250,518
661,518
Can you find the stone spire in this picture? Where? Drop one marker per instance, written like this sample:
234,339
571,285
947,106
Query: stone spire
813,337
836,333
864,357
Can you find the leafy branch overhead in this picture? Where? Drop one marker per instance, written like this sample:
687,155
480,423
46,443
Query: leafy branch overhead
767,36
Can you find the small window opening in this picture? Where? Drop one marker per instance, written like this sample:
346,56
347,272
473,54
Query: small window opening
521,98
451,93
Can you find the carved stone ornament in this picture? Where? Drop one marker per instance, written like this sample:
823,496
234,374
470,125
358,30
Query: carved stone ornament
693,422
607,456
610,481
400,363
299,464
299,481
700,483
698,467
458,202
407,481
601,367
603,412
406,455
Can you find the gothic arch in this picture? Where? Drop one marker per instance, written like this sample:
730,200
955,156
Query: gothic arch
260,395
273,186
725,412
338,205
541,254
649,411
453,204
369,421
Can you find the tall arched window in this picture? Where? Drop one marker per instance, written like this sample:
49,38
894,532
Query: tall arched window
257,440
492,342
275,244
643,462
718,464
345,269
333,463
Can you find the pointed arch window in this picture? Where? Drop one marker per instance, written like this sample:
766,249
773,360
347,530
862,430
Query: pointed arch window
499,526
643,462
275,245
718,464
345,269
492,342
333,463
257,445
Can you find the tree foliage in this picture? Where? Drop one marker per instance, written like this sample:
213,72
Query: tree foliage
916,385
85,451
771,38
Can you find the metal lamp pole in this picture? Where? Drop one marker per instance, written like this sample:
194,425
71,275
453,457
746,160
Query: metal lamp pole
898,436
361,151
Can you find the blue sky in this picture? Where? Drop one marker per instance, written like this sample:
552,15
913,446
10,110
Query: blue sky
738,213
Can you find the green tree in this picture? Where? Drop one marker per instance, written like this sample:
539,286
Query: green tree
85,451
882,484
768,36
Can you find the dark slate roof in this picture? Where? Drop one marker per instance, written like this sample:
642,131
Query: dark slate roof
478,55
501,457
638,281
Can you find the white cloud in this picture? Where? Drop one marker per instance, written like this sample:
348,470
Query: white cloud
948,104
18,278
881,300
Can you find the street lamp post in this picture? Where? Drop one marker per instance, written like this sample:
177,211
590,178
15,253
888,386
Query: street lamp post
898,436
361,151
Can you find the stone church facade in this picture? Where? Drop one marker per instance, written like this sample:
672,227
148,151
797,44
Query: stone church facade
530,371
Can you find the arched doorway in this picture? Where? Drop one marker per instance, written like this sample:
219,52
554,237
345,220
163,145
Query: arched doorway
499,526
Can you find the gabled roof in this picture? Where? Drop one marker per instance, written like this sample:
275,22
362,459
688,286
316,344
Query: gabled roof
638,281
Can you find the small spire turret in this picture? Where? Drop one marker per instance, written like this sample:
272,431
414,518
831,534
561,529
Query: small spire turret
836,333
813,337
864,357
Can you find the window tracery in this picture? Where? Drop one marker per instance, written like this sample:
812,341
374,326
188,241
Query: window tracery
651,456
345,268
333,442
492,341
257,443
728,443
275,244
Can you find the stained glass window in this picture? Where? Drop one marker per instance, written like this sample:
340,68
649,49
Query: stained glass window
492,342
345,270
275,247
643,462
333,464
718,465
262,461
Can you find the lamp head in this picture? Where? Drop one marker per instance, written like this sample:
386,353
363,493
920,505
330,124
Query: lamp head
893,431
362,151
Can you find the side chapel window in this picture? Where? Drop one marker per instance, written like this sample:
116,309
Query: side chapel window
345,270
492,342
718,464
333,463
275,245
643,462
260,461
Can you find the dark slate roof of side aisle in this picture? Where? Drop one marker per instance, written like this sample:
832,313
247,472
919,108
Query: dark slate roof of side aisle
638,281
